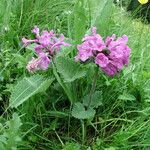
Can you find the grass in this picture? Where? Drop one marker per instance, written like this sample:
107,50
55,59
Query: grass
119,124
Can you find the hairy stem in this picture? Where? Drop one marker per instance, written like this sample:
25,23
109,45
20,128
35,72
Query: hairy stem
93,87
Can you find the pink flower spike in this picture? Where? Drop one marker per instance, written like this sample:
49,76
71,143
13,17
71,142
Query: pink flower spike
47,43
111,56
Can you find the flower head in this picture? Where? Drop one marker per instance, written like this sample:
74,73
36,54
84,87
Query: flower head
110,56
47,44
91,44
40,63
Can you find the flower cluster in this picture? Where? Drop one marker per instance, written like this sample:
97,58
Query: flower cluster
47,44
110,56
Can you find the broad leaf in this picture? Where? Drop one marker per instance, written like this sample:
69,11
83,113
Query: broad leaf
80,112
95,101
69,69
102,11
80,21
10,137
28,87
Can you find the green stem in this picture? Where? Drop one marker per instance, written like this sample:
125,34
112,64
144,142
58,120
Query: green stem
93,87
83,131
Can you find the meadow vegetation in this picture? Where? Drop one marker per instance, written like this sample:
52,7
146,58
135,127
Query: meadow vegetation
43,110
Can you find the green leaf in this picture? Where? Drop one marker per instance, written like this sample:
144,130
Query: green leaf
96,99
11,137
80,112
102,11
80,21
28,87
127,97
69,69
57,114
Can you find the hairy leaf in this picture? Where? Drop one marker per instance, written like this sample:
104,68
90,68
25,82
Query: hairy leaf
69,69
101,15
95,101
28,87
11,138
80,112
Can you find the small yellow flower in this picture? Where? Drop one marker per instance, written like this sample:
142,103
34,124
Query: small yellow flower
143,1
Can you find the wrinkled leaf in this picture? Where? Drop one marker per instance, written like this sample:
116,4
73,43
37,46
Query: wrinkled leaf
102,11
28,87
69,69
80,112
96,99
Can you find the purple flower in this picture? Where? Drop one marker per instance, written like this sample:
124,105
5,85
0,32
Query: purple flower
47,44
84,53
36,30
40,63
110,70
119,49
26,42
43,61
119,54
110,39
111,56
90,46
32,65
102,60
58,43
45,39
